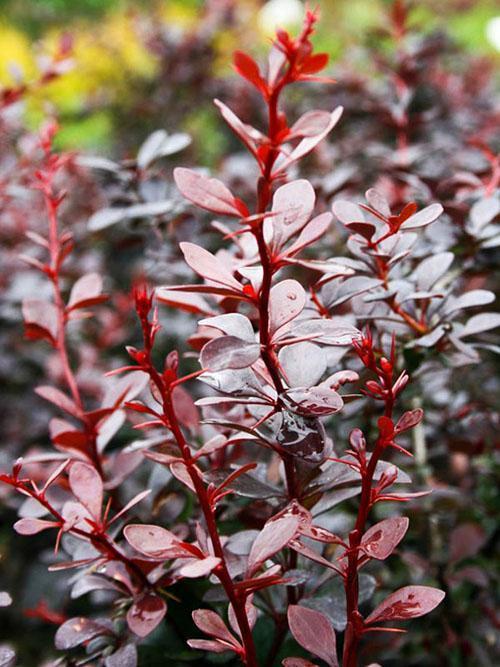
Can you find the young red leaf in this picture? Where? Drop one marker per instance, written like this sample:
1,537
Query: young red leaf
87,487
145,614
41,319
407,602
423,217
208,193
314,632
381,539
409,420
249,70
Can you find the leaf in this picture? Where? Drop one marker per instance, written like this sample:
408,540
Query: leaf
212,624
199,568
484,211
110,216
470,299
308,143
209,645
313,631
314,230
86,291
310,124
41,319
272,538
318,401
228,352
76,631
347,212
249,70
152,541
293,204
57,397
303,364
208,193
208,266
146,614
286,300
407,602
160,144
125,656
480,323
466,541
232,324
87,487
423,217
409,420
377,201
432,269
32,526
191,303
248,134
381,539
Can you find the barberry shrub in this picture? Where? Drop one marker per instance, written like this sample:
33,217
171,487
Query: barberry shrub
286,343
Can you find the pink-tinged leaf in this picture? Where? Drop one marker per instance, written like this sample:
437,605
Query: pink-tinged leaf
190,303
293,204
408,420
146,614
152,541
208,193
87,291
248,134
423,217
30,526
76,631
180,471
125,656
272,538
287,300
199,568
57,397
298,662
318,401
212,624
310,124
303,364
249,70
208,266
466,541
313,631
311,232
381,539
251,612
347,212
407,602
211,645
228,352
232,324
135,500
41,319
308,143
86,485
377,201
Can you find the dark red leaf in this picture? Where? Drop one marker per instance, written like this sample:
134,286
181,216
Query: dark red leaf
314,632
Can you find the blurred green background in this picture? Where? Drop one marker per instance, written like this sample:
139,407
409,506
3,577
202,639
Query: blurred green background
115,58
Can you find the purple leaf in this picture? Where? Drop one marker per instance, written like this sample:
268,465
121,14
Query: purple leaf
208,266
287,300
318,401
87,487
199,568
423,217
407,602
313,631
153,541
125,656
76,631
146,614
381,539
272,538
466,541
209,645
228,352
212,624
208,193
29,526
303,363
